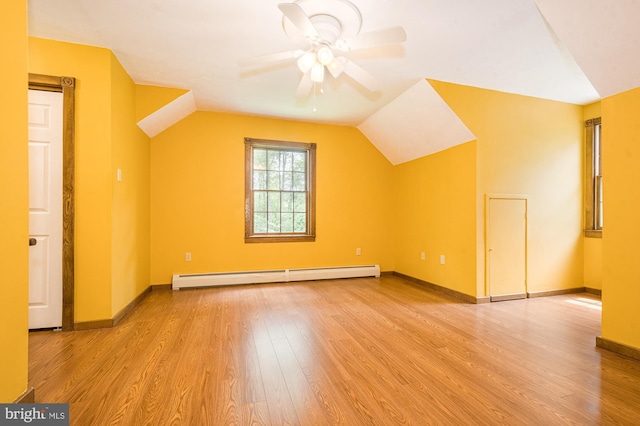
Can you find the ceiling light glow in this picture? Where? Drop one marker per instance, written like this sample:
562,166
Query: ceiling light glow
306,61
325,55
317,73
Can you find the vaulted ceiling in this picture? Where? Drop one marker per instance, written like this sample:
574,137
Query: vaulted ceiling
575,51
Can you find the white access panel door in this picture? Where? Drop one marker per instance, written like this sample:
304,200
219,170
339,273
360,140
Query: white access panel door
507,248
45,209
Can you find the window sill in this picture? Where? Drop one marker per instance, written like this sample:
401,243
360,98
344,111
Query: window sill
280,239
593,233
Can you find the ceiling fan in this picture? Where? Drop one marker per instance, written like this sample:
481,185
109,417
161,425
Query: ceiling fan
326,30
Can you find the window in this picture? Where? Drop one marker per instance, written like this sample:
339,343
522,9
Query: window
279,191
593,187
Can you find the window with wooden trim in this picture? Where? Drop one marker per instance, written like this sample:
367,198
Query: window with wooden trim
279,191
593,185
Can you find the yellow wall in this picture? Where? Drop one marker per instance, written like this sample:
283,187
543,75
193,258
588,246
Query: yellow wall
130,209
593,263
14,193
592,110
91,66
621,269
435,213
151,98
112,234
532,147
592,246
197,198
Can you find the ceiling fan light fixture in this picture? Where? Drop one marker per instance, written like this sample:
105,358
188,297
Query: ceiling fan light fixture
325,55
324,29
317,73
306,61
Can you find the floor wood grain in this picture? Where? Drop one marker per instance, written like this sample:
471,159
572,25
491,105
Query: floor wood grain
374,351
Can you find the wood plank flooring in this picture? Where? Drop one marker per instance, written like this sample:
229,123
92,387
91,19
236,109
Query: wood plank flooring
356,352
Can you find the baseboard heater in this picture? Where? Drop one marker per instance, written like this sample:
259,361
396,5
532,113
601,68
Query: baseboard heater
273,276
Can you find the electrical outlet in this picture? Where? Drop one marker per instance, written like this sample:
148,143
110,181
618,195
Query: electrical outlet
358,251
187,257
442,259
422,256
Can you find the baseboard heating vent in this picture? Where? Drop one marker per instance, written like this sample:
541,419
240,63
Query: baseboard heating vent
273,276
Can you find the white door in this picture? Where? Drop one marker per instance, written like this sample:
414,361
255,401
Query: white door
507,248
45,209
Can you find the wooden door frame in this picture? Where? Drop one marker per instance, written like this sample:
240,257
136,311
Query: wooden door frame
488,198
66,86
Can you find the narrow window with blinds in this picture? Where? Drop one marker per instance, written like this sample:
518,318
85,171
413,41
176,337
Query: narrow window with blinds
279,191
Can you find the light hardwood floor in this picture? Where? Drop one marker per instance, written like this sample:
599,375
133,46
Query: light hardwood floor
361,351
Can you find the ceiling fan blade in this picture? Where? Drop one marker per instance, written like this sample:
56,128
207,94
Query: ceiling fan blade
296,15
361,76
305,85
373,38
268,59
336,67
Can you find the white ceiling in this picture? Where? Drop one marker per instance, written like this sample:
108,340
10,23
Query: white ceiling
574,51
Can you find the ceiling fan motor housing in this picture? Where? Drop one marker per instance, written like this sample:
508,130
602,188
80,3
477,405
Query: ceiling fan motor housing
333,19
328,26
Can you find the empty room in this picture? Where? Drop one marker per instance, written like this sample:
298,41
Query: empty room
320,212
